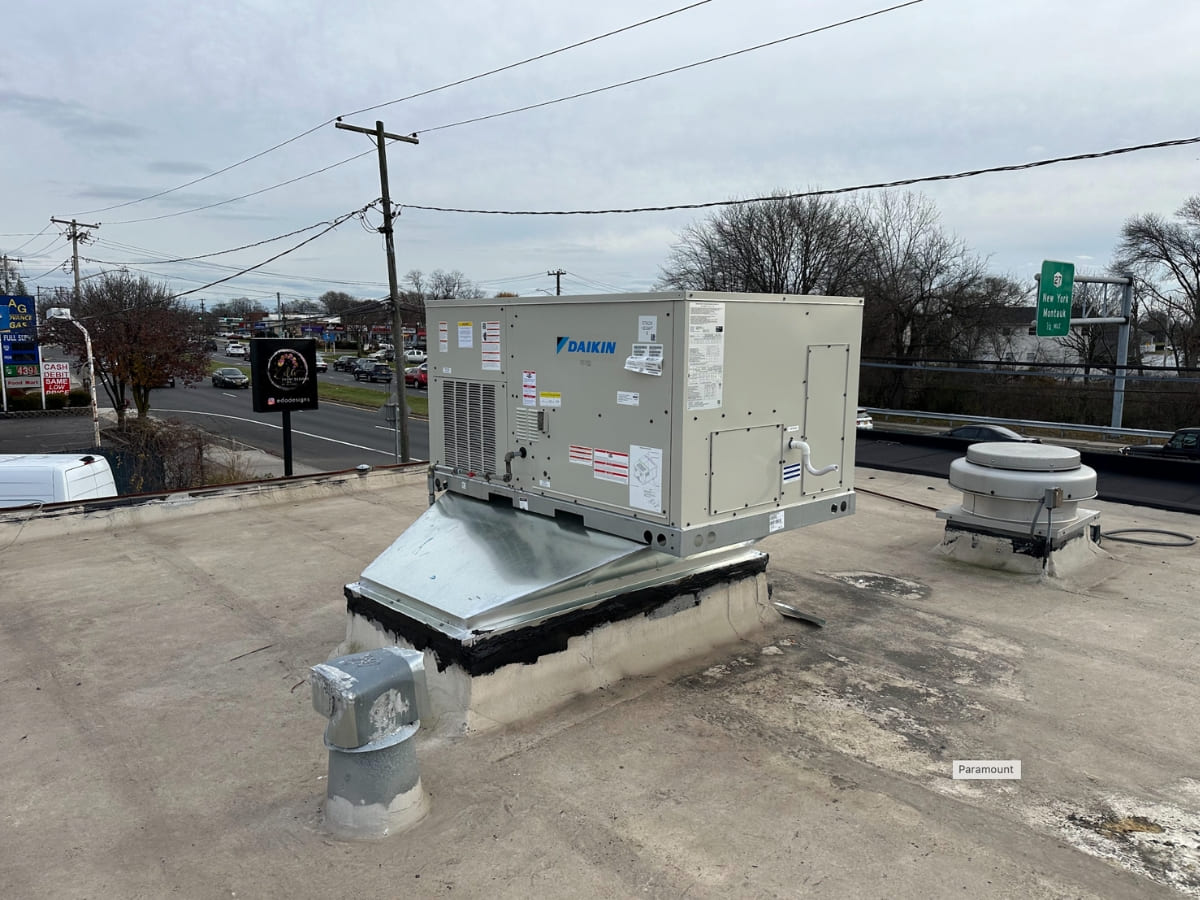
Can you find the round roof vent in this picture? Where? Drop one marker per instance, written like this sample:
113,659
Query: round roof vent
1023,457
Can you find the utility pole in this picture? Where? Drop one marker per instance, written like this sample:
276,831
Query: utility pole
557,274
399,393
75,238
4,269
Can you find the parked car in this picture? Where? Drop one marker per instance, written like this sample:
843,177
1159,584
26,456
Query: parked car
1183,444
230,377
977,433
344,363
235,348
417,376
322,366
413,357
377,372
864,420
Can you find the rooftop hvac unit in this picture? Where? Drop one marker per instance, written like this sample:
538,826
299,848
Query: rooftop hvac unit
684,421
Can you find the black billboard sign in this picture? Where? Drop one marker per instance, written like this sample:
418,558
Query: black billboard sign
283,374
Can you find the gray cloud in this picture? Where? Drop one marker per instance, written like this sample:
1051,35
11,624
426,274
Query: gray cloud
71,118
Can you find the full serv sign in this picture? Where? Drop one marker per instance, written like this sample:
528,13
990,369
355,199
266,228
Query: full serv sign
283,374
18,342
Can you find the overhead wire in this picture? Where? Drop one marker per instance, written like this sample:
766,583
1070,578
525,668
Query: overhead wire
201,256
336,222
672,71
878,185
51,270
530,59
228,268
350,159
365,109
184,212
45,228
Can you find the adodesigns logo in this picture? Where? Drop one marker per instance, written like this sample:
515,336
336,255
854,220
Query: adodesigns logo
573,346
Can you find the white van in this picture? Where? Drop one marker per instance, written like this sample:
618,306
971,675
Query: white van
29,478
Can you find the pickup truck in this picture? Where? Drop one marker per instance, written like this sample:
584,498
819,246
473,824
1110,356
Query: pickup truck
1183,444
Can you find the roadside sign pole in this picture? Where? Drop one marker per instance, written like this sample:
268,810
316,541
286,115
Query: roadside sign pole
287,443
1118,408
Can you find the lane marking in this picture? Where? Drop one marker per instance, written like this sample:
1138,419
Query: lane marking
319,437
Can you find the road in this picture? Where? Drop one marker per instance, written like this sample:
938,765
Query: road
330,438
1163,484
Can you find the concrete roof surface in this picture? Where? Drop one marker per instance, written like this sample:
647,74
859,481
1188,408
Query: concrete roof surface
159,740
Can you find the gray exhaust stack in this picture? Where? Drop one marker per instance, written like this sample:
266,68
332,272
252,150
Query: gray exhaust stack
373,702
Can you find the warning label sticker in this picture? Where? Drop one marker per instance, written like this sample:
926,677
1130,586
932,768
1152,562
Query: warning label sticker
610,465
577,453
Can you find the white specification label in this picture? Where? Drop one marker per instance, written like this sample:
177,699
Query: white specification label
775,521
706,355
466,335
628,398
645,478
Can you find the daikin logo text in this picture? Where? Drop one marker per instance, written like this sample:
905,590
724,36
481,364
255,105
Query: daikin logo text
573,346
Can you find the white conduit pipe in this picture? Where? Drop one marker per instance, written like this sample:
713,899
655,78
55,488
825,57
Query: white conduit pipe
806,457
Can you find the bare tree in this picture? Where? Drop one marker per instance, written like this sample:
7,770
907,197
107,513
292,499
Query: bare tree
1164,257
1094,346
239,308
805,245
337,302
924,290
141,336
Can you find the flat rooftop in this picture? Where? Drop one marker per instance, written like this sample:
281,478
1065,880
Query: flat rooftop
158,737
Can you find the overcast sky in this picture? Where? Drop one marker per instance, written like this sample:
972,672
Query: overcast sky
103,104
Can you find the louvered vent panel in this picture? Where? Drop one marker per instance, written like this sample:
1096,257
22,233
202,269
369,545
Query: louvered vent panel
469,423
525,421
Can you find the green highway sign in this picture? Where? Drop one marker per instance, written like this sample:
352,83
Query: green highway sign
1054,299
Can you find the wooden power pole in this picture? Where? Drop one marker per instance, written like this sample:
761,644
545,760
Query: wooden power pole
399,393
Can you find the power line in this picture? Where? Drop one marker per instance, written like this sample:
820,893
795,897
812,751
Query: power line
34,238
336,222
206,177
184,259
672,71
924,179
610,87
424,93
51,271
184,212
225,268
531,59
